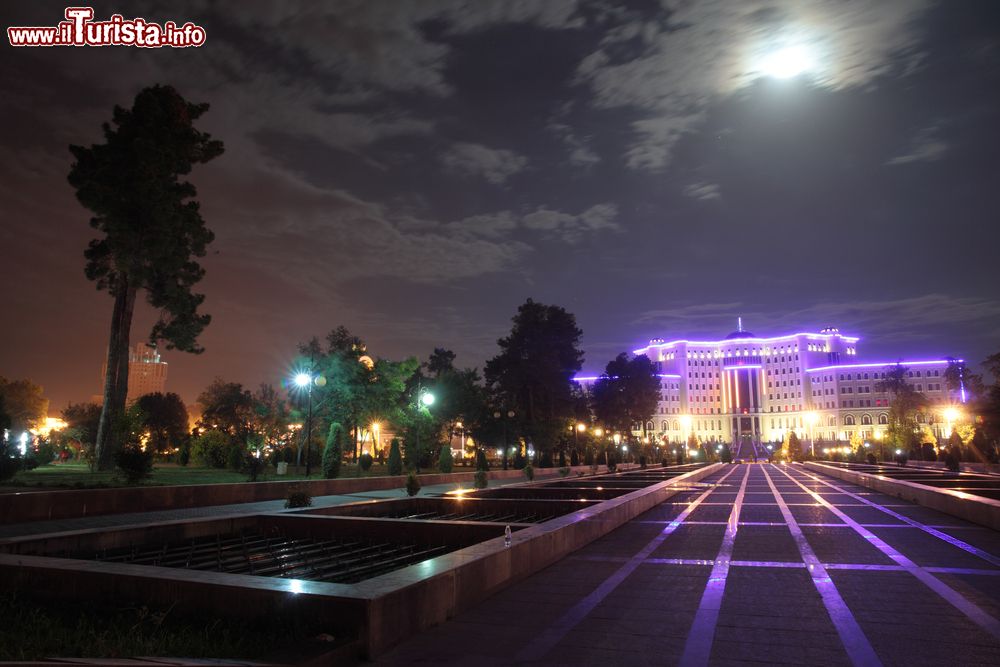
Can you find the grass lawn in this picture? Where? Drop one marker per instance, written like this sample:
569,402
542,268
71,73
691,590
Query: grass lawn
79,475
32,630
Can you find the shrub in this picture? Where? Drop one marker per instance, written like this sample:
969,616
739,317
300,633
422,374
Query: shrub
412,484
298,496
562,458
726,455
395,458
642,461
333,451
133,463
870,458
951,461
588,458
365,462
481,462
529,472
9,461
184,455
563,471
46,452
518,461
445,461
211,449
481,480
574,458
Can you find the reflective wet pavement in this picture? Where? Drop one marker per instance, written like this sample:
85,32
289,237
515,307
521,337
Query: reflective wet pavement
764,564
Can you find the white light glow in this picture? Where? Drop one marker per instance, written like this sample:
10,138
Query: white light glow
787,62
302,380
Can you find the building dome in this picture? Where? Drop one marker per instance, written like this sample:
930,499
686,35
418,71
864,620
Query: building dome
740,334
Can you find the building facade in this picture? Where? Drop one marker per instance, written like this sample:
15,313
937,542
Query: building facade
147,373
747,388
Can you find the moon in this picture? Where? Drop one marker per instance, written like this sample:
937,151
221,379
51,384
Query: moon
787,62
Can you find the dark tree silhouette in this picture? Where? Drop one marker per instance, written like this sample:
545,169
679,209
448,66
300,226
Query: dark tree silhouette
533,373
151,231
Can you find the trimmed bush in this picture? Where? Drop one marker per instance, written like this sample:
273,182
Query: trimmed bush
298,496
395,458
529,472
870,458
365,462
445,461
726,454
412,484
481,480
134,464
211,449
333,451
564,471
481,462
574,458
184,455
253,466
951,461
642,461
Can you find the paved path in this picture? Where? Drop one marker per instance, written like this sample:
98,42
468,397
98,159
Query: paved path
769,565
133,518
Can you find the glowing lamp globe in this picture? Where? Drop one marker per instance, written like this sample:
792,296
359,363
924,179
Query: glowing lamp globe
302,380
427,399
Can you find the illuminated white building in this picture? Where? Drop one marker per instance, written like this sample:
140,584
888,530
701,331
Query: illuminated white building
147,372
747,388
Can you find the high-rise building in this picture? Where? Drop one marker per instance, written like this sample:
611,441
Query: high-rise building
748,388
147,372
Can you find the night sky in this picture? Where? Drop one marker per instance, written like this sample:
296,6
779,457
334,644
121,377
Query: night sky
416,170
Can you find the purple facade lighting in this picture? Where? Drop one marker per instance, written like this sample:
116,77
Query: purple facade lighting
812,335
884,364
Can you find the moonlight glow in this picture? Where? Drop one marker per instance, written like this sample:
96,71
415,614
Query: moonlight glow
787,62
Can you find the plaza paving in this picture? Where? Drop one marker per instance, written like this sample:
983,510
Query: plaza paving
759,564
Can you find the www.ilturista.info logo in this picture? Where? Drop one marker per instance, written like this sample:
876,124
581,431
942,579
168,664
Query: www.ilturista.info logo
79,29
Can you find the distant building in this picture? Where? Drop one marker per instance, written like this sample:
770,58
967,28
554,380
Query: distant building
147,372
747,388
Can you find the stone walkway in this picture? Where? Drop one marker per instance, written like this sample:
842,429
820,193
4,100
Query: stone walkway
768,565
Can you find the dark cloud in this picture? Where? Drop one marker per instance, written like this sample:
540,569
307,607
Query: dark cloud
415,170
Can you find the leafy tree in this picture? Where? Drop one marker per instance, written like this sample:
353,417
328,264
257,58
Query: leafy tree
395,464
626,393
5,421
151,228
533,373
165,418
227,407
358,390
82,421
794,446
904,403
211,449
333,451
24,403
269,417
445,461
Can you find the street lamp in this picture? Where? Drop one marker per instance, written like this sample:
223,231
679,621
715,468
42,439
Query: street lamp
812,419
951,415
307,381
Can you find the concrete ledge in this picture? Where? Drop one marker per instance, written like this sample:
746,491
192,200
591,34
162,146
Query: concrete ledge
23,506
984,511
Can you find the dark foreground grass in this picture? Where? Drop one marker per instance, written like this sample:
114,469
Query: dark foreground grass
79,476
31,630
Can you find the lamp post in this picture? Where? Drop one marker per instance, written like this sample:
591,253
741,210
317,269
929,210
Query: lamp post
580,428
812,418
307,381
878,436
